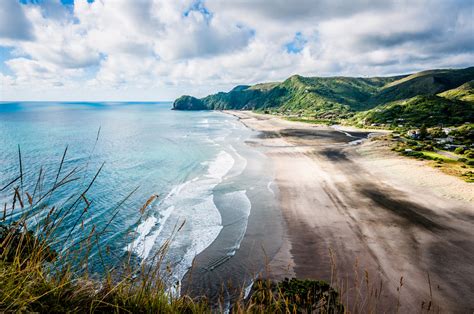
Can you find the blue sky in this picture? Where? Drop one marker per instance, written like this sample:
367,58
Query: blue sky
160,49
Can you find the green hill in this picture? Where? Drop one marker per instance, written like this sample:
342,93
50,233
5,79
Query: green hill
423,83
344,97
418,110
315,96
465,92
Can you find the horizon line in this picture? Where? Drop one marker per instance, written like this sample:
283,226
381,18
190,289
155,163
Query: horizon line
91,101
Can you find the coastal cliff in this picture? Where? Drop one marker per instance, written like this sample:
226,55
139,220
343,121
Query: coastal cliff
189,103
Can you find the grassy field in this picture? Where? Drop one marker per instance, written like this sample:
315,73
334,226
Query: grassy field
438,156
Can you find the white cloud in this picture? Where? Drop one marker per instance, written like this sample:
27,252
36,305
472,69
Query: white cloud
29,71
13,23
159,49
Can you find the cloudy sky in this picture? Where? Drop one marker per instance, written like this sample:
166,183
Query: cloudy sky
160,49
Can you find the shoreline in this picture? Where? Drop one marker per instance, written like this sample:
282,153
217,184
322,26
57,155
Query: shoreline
347,213
224,268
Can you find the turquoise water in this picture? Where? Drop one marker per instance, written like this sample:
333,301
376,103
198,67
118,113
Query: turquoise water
184,157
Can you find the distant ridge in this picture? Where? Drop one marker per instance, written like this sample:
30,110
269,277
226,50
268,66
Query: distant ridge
352,97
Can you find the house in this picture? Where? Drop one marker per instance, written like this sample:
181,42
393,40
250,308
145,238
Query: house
414,134
445,140
453,146
447,130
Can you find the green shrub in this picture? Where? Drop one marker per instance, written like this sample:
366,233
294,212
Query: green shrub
470,162
437,133
459,150
469,154
462,159
415,154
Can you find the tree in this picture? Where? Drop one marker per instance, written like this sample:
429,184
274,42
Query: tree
423,131
437,133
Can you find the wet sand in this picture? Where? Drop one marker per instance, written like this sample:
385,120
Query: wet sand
222,271
360,216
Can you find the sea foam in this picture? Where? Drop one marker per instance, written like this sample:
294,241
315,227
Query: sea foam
241,211
192,203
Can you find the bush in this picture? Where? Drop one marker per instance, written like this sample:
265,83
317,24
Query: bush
437,133
462,159
414,154
469,154
459,150
470,162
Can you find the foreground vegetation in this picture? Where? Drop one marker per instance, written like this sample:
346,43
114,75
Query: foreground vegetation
38,273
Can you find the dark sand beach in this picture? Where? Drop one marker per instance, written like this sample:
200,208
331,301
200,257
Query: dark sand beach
360,216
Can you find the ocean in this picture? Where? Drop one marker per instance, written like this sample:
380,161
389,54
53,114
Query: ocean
198,163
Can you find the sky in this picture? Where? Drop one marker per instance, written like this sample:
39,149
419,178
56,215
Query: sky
152,50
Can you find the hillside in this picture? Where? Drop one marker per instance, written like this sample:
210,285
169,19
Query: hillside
464,92
418,110
423,83
315,96
344,97
452,107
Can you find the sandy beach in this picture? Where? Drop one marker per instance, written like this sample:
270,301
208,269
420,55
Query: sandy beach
388,231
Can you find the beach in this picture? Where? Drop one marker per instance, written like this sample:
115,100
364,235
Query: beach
388,231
